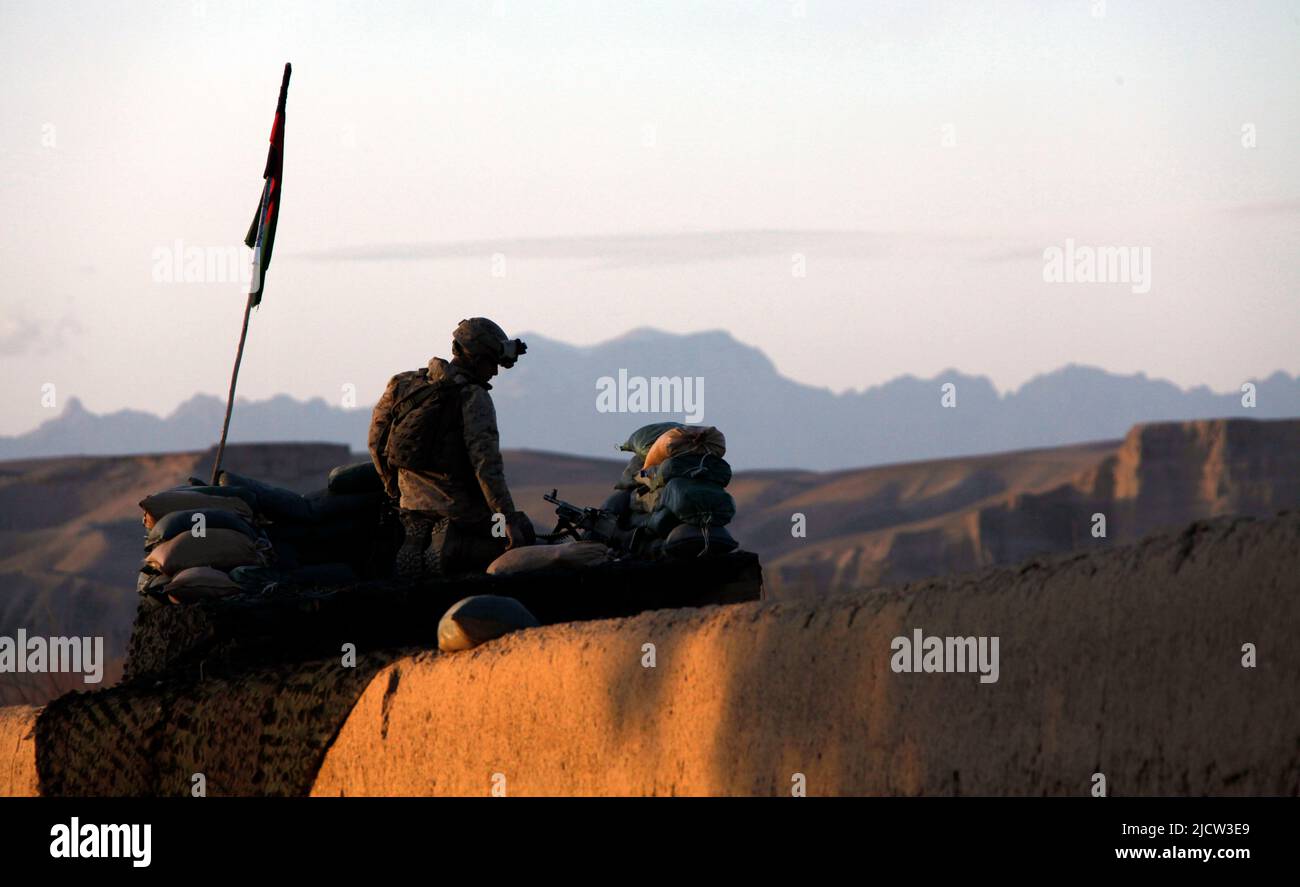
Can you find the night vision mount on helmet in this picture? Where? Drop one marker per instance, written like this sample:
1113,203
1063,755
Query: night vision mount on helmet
480,337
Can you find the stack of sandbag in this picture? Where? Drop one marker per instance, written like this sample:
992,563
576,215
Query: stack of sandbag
256,534
642,500
684,478
325,537
196,536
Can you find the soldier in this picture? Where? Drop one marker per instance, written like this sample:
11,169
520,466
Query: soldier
434,441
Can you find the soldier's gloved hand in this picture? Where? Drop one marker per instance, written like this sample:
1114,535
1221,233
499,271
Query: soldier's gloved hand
519,530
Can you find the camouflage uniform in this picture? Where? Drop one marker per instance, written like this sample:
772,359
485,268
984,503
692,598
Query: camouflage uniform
447,516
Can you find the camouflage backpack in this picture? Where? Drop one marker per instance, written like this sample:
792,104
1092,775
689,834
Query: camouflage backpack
425,429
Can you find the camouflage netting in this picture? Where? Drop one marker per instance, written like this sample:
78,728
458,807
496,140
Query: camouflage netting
223,636
264,732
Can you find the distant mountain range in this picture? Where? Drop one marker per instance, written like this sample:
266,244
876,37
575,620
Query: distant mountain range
555,397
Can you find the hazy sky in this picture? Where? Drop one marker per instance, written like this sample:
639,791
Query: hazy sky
646,164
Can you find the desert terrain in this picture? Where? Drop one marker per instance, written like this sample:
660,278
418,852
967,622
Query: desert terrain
70,533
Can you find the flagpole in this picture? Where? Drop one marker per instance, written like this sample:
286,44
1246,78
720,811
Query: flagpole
230,398
261,237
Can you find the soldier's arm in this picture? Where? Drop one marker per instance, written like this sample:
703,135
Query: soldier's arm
484,446
379,436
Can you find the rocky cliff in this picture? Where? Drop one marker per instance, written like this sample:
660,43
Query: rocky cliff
1160,477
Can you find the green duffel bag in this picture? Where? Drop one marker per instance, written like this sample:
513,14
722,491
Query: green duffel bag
359,477
697,502
644,437
692,466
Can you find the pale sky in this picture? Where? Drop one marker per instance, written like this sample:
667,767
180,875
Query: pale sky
645,164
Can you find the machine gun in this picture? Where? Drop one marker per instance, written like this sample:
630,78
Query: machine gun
586,524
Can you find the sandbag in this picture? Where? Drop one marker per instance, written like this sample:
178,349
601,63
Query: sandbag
359,477
617,502
662,522
276,503
695,466
222,549
481,618
565,556
686,439
644,437
689,541
697,502
176,522
199,583
159,505
629,478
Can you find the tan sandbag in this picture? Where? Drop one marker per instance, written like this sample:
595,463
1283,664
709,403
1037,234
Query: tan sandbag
568,556
199,583
687,439
474,620
202,577
161,504
221,549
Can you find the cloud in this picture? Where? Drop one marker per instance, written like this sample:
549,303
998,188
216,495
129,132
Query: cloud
17,335
634,250
20,334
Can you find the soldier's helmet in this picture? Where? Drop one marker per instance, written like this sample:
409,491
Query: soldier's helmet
478,337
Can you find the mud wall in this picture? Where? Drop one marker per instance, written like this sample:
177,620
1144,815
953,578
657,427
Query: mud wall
18,751
1126,662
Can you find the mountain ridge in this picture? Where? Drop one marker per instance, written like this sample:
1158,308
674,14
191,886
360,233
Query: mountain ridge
549,402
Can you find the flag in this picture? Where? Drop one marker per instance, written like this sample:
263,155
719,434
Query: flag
261,234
